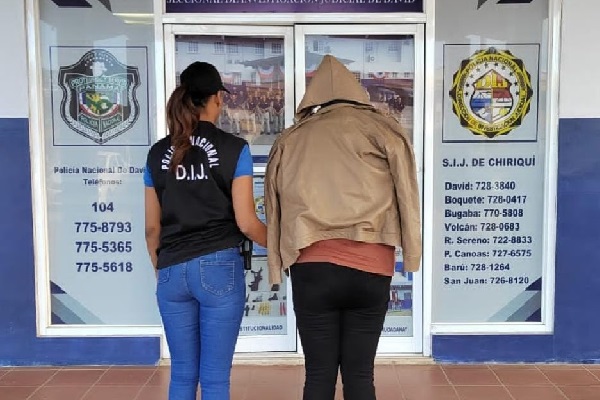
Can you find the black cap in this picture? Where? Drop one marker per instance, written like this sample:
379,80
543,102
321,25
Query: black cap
203,78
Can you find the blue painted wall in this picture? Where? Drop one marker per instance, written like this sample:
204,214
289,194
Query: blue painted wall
576,335
18,342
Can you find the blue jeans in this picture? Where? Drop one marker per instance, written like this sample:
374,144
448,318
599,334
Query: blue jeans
201,303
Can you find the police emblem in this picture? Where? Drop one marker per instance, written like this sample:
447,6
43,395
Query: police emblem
491,92
99,96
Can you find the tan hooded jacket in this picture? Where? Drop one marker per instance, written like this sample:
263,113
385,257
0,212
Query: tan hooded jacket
343,171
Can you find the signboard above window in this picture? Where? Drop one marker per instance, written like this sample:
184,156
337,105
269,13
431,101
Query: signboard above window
293,6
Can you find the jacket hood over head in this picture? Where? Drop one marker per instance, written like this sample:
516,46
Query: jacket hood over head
332,81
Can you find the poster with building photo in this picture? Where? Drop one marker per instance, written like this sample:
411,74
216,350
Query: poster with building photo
253,70
383,64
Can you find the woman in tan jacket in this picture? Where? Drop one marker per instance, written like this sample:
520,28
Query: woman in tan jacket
341,193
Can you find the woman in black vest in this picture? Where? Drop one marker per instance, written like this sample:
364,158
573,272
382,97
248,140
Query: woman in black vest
199,208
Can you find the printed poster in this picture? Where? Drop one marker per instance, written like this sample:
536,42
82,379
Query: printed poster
95,159
490,184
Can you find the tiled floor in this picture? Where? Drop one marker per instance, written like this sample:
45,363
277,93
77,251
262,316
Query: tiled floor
399,382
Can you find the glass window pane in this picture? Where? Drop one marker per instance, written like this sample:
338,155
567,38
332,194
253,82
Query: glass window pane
255,111
388,77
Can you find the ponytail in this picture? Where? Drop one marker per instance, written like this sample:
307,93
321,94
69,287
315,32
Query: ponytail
182,120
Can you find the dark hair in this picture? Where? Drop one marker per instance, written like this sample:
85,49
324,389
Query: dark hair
182,120
199,81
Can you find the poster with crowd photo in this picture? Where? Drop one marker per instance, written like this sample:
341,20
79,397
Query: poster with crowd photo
100,272
253,70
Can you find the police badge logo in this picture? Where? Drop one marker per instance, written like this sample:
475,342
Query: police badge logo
491,93
99,96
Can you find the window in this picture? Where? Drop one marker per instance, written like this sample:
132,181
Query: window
318,46
219,48
369,47
237,78
192,47
113,48
393,47
259,49
233,48
276,48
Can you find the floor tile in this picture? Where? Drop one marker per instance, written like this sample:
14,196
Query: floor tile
421,374
126,376
27,377
237,392
112,393
571,377
268,375
471,376
535,393
595,372
482,393
388,392
496,367
400,382
276,391
156,393
386,374
72,377
16,392
581,392
559,366
60,393
510,376
241,374
427,392
161,377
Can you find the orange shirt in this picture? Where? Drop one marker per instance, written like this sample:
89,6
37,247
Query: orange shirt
369,257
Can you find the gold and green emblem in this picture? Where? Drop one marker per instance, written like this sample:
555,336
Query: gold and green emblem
491,92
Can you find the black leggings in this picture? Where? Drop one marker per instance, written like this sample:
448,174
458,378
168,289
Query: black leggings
340,313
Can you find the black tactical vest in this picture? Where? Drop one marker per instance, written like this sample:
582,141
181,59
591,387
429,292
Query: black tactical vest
196,207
